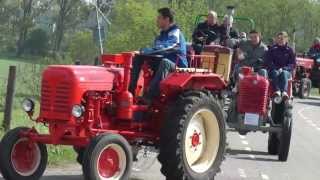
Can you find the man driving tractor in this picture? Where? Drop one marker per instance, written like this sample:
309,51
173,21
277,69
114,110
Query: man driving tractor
170,37
281,61
206,32
251,53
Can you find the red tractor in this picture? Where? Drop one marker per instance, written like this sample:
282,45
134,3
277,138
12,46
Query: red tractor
91,109
302,84
253,108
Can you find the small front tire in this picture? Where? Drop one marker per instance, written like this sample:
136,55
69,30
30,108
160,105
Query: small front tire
22,159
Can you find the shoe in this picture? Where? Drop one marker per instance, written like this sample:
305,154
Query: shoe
277,93
285,95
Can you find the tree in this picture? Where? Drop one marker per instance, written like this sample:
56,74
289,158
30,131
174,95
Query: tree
67,13
37,43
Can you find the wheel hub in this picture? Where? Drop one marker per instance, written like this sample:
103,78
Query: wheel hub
195,139
202,141
25,157
109,163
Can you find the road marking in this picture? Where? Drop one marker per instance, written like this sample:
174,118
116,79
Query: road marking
309,121
248,149
265,177
242,137
242,173
300,112
313,125
245,142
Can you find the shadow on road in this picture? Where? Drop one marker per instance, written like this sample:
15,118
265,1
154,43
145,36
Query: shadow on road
236,152
72,177
257,159
310,103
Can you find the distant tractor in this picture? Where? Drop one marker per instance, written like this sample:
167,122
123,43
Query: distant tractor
91,109
253,108
302,84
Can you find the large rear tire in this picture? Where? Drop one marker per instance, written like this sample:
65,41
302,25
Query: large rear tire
20,158
193,138
108,156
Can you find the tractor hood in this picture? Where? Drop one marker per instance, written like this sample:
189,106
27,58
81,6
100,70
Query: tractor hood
64,86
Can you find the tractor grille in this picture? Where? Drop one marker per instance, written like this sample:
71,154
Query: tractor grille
253,95
55,99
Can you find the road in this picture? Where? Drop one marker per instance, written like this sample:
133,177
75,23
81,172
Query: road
246,155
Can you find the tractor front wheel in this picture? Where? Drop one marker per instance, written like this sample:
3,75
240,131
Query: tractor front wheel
285,138
21,158
273,144
108,156
193,138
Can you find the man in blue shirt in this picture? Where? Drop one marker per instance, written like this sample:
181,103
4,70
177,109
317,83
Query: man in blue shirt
170,37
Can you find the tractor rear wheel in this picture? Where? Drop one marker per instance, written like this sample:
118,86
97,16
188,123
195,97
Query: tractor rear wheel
193,138
108,156
21,158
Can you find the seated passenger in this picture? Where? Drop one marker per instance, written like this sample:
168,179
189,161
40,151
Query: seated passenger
229,35
314,51
170,36
206,32
281,61
251,53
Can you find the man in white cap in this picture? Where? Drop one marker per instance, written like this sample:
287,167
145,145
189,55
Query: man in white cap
206,32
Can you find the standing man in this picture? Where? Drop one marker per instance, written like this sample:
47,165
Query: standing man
206,32
170,37
281,61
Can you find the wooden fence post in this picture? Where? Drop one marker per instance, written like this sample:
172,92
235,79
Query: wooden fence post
9,98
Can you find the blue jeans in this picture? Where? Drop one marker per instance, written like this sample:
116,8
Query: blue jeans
161,69
280,80
237,68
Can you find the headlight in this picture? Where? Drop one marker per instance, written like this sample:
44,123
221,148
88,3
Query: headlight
28,105
277,99
77,111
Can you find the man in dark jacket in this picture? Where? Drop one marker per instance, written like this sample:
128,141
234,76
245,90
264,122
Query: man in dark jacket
206,32
281,61
314,51
170,37
251,53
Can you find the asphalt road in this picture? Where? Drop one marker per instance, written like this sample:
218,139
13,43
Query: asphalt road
246,155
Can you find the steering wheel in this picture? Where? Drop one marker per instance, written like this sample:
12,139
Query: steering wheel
208,36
